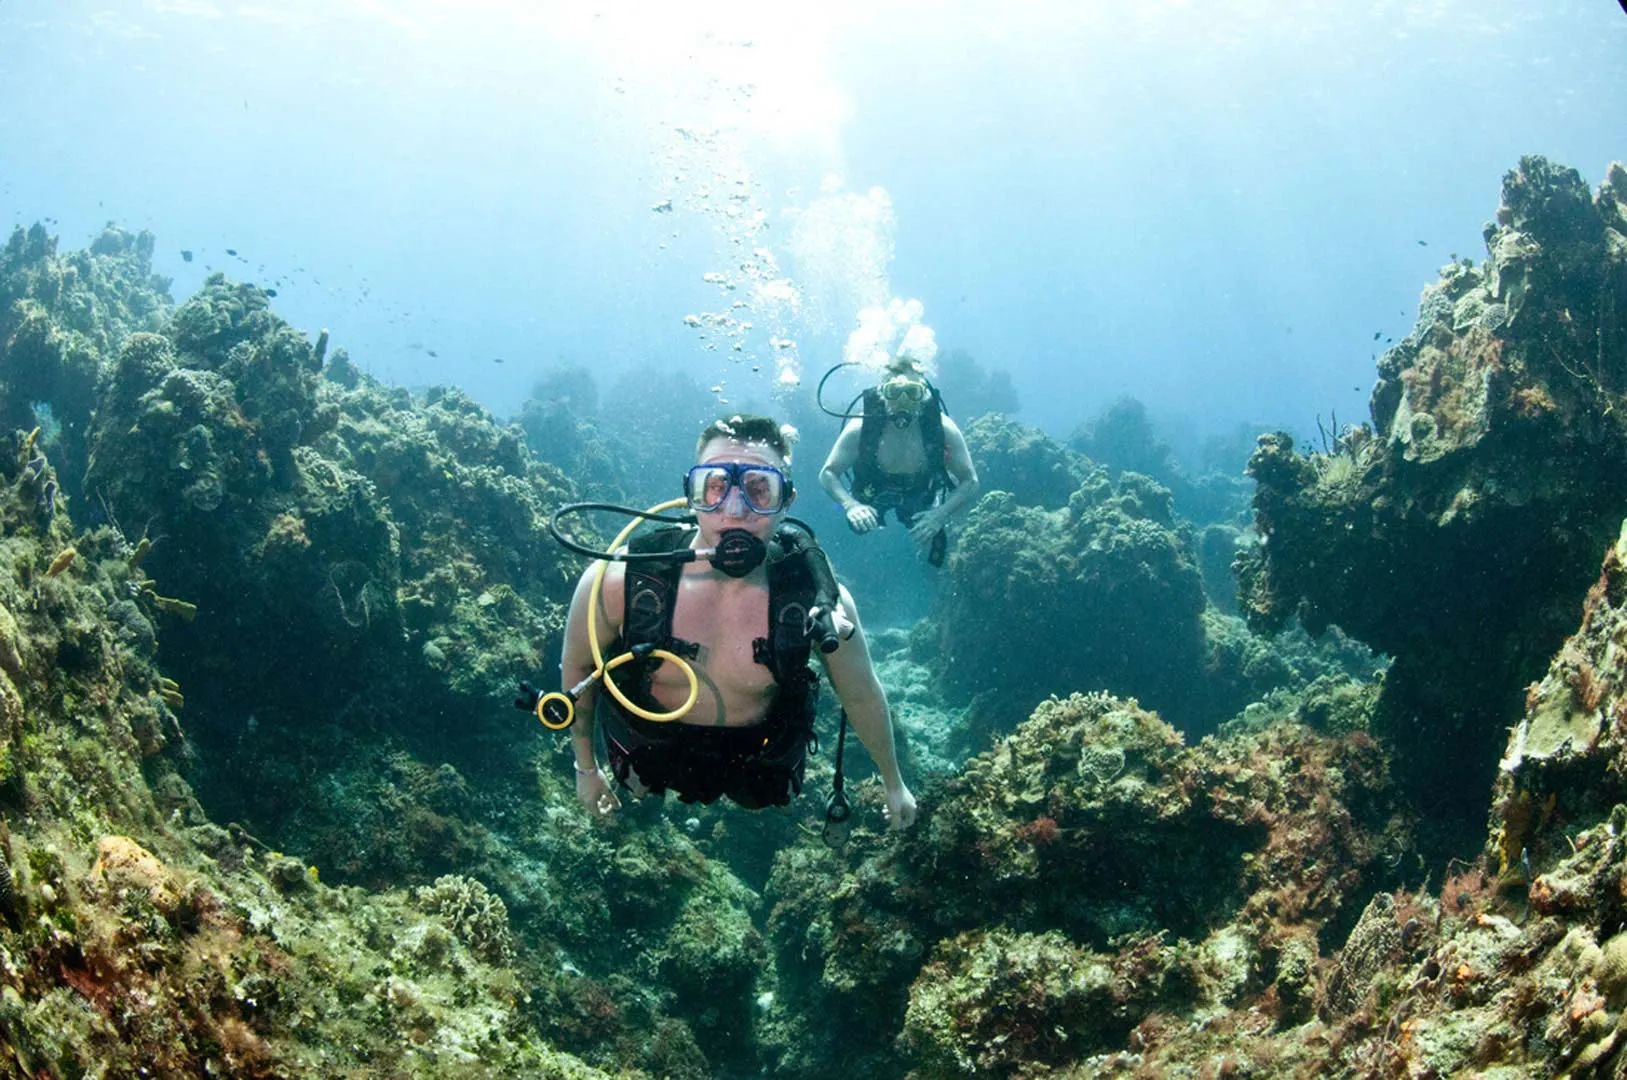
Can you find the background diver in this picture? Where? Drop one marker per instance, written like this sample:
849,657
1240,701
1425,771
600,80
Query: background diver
904,454
740,625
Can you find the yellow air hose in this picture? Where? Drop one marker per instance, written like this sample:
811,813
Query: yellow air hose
602,669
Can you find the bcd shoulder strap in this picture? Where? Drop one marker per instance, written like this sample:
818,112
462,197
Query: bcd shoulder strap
799,578
648,599
871,427
933,444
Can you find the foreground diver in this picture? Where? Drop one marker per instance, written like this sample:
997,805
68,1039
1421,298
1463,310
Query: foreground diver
905,455
738,618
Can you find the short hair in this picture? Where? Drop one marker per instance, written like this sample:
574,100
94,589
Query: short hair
904,365
747,427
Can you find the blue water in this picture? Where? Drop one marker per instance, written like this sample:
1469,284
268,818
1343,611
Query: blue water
1212,207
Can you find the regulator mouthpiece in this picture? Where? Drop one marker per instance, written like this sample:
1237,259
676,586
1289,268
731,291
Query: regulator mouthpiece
738,552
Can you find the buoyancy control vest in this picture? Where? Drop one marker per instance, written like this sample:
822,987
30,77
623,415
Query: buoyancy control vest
759,765
868,476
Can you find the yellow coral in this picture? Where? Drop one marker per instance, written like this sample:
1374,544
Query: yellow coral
11,707
171,606
168,604
11,657
124,864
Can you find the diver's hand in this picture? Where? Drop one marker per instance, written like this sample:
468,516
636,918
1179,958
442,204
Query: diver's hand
862,518
594,793
900,809
926,526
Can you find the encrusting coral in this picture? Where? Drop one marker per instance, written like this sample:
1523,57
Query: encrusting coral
1459,531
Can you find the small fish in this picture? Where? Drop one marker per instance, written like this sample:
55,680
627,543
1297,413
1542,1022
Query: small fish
497,359
63,560
1423,243
271,292
186,256
663,207
231,251
1376,334
435,354
1389,341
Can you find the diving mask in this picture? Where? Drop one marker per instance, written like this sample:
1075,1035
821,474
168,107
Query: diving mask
765,489
902,393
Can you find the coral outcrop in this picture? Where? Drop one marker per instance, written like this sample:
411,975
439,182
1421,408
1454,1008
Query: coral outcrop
1459,532
1087,876
1068,580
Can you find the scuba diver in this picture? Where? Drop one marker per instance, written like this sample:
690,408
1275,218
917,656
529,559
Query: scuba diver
708,627
903,454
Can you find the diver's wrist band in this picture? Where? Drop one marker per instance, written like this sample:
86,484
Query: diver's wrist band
585,772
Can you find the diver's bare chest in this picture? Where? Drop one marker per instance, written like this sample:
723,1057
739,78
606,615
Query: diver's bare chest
724,618
900,451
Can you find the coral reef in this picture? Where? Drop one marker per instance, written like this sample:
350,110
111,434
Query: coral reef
1087,876
337,586
62,318
1493,452
1515,963
1122,439
1024,461
1107,580
264,810
346,533
139,937
1069,580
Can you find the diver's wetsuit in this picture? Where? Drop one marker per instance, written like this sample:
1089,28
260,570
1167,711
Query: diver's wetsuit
756,765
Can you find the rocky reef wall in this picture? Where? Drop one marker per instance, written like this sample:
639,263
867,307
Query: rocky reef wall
1065,579
261,605
1459,531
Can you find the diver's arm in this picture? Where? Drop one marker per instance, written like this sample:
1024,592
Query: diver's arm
841,459
860,693
860,517
963,476
961,470
576,664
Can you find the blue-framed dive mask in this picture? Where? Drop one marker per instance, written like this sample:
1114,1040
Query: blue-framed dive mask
766,490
